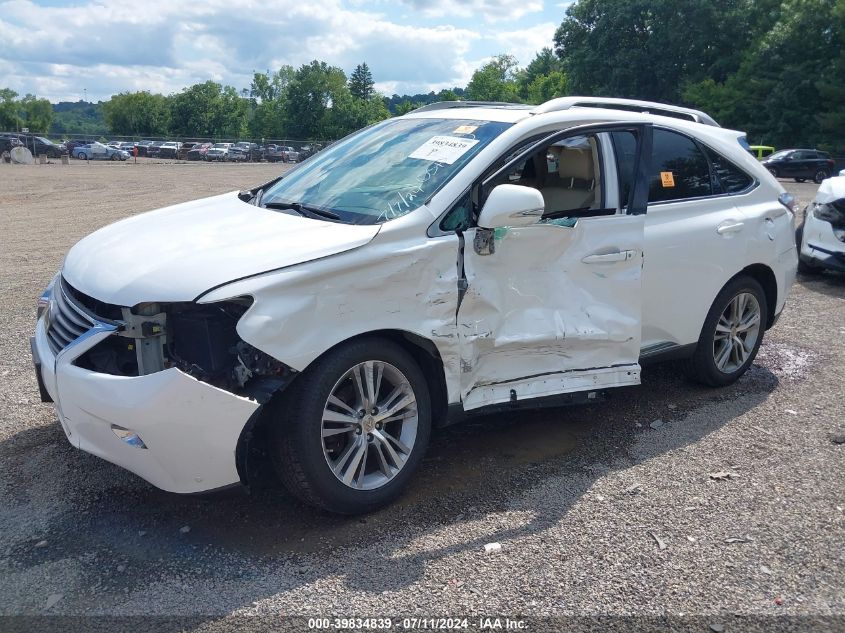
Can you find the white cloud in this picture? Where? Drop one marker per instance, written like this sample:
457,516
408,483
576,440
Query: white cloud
487,10
108,46
525,43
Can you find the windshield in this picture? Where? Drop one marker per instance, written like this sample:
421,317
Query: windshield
385,171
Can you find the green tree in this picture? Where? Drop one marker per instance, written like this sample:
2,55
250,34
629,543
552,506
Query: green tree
495,81
9,119
543,78
448,95
309,95
361,82
137,114
268,93
406,106
349,113
36,114
788,89
208,110
650,48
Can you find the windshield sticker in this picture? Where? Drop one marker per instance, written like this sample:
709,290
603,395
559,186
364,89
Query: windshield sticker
465,129
443,149
667,178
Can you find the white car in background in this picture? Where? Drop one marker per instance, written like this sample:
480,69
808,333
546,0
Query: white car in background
459,259
218,151
821,239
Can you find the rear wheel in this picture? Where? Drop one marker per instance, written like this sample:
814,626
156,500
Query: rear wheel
353,428
800,180
81,156
820,175
731,334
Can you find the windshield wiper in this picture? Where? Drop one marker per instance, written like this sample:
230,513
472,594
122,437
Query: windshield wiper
306,210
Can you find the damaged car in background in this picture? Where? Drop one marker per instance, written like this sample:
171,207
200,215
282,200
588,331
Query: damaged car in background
454,261
821,239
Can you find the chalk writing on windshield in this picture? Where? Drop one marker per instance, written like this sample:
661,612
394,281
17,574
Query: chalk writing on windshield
405,199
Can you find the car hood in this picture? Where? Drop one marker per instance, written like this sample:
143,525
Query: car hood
179,252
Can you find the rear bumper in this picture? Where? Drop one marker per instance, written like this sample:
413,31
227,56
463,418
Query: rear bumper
190,428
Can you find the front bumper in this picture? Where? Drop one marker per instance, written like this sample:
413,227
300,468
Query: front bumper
190,428
820,246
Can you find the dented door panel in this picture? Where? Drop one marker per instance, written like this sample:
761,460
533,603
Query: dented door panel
538,320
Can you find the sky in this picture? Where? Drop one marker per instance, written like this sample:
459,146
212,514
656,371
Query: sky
66,50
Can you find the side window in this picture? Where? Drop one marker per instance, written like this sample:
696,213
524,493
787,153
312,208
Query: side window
727,177
679,170
460,216
567,173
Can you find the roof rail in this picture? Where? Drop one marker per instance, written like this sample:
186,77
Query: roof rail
628,105
445,105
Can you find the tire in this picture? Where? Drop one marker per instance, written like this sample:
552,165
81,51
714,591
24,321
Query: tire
800,180
773,171
302,452
704,366
115,156
81,156
820,175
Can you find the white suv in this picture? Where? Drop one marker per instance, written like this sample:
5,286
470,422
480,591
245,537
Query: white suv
460,258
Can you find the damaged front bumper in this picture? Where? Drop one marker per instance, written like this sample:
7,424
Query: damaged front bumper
176,432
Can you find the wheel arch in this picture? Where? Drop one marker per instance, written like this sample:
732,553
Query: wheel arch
765,276
250,455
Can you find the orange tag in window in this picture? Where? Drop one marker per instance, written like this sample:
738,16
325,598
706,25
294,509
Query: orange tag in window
667,178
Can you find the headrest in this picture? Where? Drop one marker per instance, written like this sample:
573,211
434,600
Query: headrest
575,163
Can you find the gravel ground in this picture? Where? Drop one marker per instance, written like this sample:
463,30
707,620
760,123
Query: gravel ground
597,513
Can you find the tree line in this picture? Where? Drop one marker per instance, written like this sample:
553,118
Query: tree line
774,68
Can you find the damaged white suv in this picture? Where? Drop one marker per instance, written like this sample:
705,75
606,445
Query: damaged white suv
457,259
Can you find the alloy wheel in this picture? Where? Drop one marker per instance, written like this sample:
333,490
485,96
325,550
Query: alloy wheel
369,425
737,331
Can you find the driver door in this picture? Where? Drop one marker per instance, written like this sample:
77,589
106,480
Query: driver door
555,307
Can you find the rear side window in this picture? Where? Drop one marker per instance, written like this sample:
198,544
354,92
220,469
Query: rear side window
727,177
679,169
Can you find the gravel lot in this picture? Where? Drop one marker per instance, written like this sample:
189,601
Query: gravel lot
596,511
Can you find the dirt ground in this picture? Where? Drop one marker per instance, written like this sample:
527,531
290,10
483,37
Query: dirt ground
580,499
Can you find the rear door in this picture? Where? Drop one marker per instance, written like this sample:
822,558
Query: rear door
555,307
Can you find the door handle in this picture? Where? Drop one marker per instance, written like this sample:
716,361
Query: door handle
729,226
618,256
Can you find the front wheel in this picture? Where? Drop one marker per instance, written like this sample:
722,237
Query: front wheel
800,180
353,428
115,156
773,171
731,334
820,175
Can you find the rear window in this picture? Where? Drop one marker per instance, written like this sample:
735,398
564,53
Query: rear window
727,177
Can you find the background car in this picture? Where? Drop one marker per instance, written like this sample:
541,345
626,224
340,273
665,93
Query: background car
78,142
800,164
143,146
7,142
821,239
281,153
761,151
197,151
98,151
218,151
39,145
154,148
170,149
245,151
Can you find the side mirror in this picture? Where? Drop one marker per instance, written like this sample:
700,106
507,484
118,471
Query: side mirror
511,205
